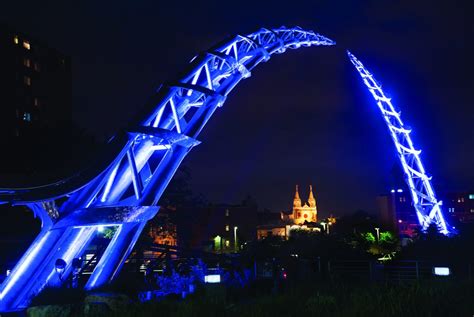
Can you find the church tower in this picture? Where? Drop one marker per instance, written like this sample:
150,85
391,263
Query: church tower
306,212
296,200
311,200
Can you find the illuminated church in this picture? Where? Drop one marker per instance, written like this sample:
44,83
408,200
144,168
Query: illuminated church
301,217
302,213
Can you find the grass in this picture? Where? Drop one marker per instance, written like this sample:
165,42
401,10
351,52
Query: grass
437,298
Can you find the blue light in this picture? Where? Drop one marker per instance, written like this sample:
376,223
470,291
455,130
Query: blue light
24,264
124,189
427,206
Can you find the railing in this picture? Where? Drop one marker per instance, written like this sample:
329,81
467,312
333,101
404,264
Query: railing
397,271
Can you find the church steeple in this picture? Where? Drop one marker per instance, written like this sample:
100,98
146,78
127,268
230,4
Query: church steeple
297,200
311,200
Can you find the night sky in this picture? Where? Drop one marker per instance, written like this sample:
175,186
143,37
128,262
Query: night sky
302,118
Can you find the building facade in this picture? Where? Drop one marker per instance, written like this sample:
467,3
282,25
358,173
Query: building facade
219,228
35,91
303,216
460,207
35,85
398,214
302,213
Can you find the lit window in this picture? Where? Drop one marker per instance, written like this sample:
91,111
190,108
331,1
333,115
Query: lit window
227,212
451,209
471,196
26,45
27,80
15,39
36,102
37,67
227,243
227,228
27,117
472,210
27,62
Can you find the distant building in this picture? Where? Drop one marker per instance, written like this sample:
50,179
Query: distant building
162,228
397,212
302,217
35,91
459,207
217,228
302,213
35,83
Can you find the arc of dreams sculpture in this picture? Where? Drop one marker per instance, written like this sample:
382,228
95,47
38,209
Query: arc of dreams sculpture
124,185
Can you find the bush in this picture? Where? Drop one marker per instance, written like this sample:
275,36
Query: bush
58,296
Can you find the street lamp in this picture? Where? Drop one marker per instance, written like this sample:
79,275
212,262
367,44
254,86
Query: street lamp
235,238
218,243
378,234
324,226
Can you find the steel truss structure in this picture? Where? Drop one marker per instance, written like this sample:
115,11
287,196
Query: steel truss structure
426,204
123,187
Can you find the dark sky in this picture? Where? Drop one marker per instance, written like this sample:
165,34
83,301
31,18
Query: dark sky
302,118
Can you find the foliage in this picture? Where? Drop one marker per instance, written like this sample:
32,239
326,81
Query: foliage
432,246
56,295
178,193
369,237
385,246
174,283
429,299
109,232
179,282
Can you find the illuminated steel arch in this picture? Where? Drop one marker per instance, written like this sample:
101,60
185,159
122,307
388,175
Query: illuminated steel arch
426,204
123,187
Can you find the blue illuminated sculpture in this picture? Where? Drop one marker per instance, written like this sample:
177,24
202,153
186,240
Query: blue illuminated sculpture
124,186
426,204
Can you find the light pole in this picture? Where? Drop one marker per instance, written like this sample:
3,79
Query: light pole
235,239
378,234
324,226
